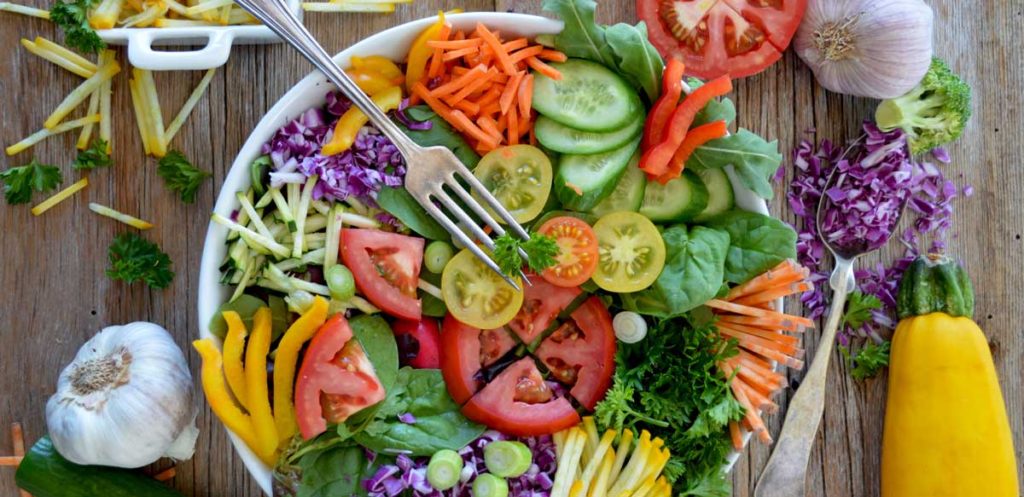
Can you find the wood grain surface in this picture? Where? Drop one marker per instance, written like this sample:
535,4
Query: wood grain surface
55,294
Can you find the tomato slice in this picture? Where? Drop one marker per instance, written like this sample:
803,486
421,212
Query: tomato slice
542,302
466,351
476,295
519,176
631,252
716,37
386,267
577,257
519,403
336,379
581,352
419,343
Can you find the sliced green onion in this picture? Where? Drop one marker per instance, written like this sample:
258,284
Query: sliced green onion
629,327
437,255
488,485
340,282
444,468
507,459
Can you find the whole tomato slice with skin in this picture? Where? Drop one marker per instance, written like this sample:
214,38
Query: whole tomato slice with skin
419,343
386,267
542,302
467,350
716,37
577,257
336,379
581,352
519,403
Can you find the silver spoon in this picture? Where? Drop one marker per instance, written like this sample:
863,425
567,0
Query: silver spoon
786,471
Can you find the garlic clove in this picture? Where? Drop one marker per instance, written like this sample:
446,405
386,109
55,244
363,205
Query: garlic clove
184,446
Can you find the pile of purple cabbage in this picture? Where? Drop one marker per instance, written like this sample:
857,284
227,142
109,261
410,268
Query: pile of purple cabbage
409,476
877,176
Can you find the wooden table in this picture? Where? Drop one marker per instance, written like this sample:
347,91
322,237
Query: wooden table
56,295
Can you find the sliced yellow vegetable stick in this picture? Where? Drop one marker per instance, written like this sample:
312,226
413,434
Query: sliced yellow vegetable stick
155,118
256,383
94,107
621,454
145,18
106,13
385,8
206,6
600,485
560,439
576,490
176,7
225,15
59,59
217,395
190,104
234,351
66,53
78,95
60,196
239,16
597,460
568,463
658,460
647,487
24,10
140,114
182,23
43,134
132,221
630,476
592,438
106,90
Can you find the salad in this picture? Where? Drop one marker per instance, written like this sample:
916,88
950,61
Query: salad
365,353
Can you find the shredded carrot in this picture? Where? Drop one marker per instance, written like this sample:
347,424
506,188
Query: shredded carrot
437,59
492,95
455,44
513,127
526,95
166,474
750,340
758,332
492,41
470,128
786,271
490,127
526,52
774,323
462,52
511,91
458,83
774,293
552,55
435,103
473,86
490,109
756,312
543,68
516,44
468,107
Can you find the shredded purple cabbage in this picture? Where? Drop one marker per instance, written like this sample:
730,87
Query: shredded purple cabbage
409,476
407,418
879,173
372,162
409,122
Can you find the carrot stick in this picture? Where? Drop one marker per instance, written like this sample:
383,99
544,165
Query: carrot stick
746,340
736,434
543,68
460,82
435,103
491,96
504,61
760,333
751,414
468,107
755,312
753,361
455,44
695,137
166,474
774,323
10,460
516,44
509,95
472,129
774,293
513,127
552,55
533,136
460,35
526,95
521,55
749,376
758,399
462,52
491,109
784,272
490,127
437,59
473,86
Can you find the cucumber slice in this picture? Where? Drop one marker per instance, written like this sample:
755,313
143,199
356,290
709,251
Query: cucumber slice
676,201
628,193
589,97
720,195
561,138
507,459
259,174
583,181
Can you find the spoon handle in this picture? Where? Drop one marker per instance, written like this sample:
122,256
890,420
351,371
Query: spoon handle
786,470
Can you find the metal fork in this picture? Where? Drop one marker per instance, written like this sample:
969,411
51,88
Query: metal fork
431,173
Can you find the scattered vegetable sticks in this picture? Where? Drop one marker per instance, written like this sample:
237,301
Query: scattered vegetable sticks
78,95
742,316
186,109
59,197
44,133
60,56
590,465
24,10
155,137
134,222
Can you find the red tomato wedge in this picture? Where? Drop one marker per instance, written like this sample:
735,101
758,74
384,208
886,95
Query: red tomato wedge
466,350
419,343
519,403
718,37
577,257
581,352
542,302
386,267
336,379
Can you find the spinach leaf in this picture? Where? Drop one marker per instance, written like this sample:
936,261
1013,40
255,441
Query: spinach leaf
400,203
339,470
438,422
638,61
440,133
246,306
378,342
694,267
754,159
581,37
433,306
716,110
757,243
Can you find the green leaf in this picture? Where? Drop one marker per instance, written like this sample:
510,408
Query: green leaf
716,110
440,134
869,360
757,243
180,175
638,60
245,305
399,203
133,258
754,159
73,19
858,309
694,267
94,156
540,251
20,182
338,470
378,341
581,37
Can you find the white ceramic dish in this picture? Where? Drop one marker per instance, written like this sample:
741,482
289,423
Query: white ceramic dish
310,92
216,43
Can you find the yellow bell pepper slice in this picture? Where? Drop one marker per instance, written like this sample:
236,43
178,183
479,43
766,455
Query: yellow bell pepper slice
353,120
298,334
419,53
379,64
370,81
217,394
234,347
256,381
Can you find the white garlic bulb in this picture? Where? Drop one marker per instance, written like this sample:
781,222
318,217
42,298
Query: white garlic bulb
126,400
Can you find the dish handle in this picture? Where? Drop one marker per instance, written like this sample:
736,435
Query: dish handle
141,53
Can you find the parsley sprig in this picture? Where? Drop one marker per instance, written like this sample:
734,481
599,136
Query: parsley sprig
73,18
133,258
180,175
94,156
20,182
541,251
869,358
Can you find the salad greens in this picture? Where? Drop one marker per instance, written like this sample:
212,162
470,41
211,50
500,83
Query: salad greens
440,133
133,258
868,359
399,203
754,159
757,243
20,182
540,252
73,19
95,155
246,306
180,175
378,341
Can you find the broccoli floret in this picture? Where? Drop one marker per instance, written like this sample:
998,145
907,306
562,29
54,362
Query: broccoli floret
933,113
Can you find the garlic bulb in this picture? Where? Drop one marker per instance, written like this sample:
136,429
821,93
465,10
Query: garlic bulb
867,48
126,400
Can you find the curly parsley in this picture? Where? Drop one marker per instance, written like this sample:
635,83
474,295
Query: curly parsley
541,251
133,258
180,175
868,359
94,156
20,182
73,18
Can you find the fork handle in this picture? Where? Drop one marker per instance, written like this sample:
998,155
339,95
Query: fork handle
277,16
786,471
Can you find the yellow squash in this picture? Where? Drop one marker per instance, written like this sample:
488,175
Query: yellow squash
946,428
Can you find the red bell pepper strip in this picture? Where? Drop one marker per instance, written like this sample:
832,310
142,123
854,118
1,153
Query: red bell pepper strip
694,138
655,160
671,90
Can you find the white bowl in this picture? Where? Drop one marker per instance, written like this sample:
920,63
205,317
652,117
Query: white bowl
311,92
